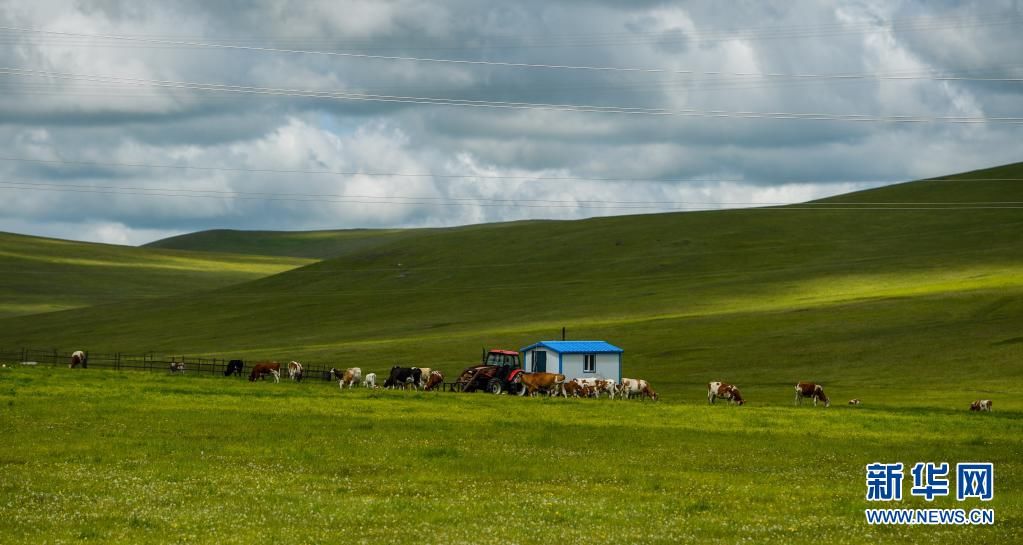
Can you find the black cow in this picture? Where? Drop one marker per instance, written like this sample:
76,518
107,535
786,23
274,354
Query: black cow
234,367
403,376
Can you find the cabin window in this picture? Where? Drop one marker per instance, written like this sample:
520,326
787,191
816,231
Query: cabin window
589,363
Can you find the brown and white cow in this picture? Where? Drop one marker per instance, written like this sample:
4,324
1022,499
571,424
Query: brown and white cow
631,387
811,389
264,368
982,405
574,388
724,391
532,383
434,381
598,386
351,377
295,371
78,358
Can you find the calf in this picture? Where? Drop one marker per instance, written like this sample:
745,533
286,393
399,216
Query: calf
352,376
724,391
402,377
295,371
532,383
434,381
370,381
810,389
177,367
631,387
854,401
982,405
79,358
234,367
599,386
262,369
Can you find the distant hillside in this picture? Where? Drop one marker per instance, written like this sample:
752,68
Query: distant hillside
309,244
843,293
44,275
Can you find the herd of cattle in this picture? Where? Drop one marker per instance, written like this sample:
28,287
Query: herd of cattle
551,384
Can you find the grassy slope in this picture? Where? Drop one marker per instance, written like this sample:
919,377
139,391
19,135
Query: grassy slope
43,275
856,299
146,458
309,244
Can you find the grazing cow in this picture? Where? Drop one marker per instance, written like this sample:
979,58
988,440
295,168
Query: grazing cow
599,386
177,367
79,358
264,368
402,377
574,388
370,381
532,383
295,371
435,380
854,401
424,372
631,387
724,391
982,405
810,389
234,367
352,376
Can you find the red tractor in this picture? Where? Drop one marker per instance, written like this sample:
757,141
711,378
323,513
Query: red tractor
498,372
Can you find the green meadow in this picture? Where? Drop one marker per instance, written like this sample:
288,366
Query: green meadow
104,457
46,275
916,309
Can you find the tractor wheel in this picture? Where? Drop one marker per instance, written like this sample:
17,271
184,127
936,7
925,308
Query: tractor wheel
495,386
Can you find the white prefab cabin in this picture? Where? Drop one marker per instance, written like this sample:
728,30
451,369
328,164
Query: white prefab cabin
574,359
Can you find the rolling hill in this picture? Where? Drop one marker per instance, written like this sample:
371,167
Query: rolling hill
859,291
303,244
45,275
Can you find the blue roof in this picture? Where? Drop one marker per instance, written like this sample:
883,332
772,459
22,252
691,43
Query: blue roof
576,347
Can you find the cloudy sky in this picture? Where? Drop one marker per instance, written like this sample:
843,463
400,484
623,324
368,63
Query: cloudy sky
128,121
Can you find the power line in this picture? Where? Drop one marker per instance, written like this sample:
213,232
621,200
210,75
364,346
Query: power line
623,110
506,64
464,176
908,24
504,203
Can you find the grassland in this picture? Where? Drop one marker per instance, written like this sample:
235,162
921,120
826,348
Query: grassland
916,312
45,275
103,457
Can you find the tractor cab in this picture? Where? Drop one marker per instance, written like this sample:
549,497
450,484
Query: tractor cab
503,358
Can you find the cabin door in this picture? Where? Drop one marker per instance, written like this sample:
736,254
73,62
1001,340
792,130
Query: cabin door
539,361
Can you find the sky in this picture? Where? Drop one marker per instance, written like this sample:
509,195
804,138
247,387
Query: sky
129,121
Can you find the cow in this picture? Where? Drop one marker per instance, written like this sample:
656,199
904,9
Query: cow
234,367
631,387
295,371
177,367
264,368
79,358
370,381
854,401
982,405
724,391
574,388
435,380
402,377
424,372
351,377
532,383
599,386
811,389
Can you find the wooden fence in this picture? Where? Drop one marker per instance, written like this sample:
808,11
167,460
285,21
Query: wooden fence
118,361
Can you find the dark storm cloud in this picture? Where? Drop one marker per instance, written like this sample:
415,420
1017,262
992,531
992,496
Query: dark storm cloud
242,135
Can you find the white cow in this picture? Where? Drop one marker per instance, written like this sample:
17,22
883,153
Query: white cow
370,381
424,375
